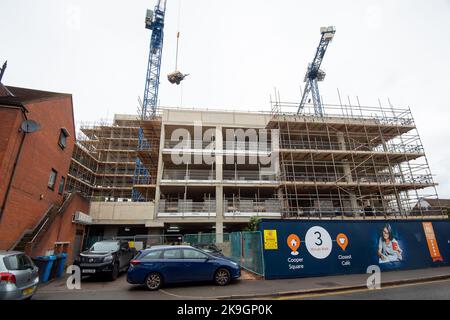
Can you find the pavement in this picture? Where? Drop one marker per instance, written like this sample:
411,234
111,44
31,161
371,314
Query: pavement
92,288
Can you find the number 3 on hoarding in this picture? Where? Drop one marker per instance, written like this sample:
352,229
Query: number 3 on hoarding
319,237
318,242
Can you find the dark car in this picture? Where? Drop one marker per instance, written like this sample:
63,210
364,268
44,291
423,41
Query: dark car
108,257
209,248
171,264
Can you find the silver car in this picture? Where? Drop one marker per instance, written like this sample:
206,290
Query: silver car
19,276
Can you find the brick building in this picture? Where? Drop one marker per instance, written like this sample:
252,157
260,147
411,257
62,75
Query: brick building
35,212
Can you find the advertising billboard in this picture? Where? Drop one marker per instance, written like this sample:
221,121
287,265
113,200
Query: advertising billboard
314,248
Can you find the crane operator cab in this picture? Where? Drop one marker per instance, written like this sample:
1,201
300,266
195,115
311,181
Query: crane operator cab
176,77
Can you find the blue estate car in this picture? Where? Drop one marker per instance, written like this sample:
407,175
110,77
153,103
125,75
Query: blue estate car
170,264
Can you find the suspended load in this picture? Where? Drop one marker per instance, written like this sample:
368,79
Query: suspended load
176,76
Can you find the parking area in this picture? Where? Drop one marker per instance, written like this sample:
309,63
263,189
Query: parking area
120,289
245,287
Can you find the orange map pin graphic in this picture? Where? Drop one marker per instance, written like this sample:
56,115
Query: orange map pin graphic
293,241
342,241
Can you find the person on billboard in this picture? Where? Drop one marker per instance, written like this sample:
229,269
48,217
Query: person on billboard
388,247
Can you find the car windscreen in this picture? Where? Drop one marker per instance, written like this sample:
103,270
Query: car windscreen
18,262
104,247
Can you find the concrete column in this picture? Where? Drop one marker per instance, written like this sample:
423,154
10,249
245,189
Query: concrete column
159,173
347,171
219,187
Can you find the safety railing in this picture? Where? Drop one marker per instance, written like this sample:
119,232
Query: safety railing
350,146
325,212
367,178
247,175
254,146
249,208
186,208
181,174
189,144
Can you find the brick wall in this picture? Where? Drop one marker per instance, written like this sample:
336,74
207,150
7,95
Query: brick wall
29,196
9,144
63,230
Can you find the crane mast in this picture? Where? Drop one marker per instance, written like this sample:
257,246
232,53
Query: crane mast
314,74
154,21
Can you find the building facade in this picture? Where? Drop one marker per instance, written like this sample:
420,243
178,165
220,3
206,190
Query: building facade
37,137
190,171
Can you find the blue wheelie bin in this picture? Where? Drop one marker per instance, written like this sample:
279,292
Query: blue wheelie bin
62,262
44,263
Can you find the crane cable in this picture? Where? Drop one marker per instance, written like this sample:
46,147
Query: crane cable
177,76
176,55
178,34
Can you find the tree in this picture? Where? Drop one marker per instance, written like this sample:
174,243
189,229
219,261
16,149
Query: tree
253,224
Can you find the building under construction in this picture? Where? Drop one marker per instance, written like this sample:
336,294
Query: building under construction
183,170
191,170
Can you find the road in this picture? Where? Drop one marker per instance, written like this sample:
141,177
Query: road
93,289
435,290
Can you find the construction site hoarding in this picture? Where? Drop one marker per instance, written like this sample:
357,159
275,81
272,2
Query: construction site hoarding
319,248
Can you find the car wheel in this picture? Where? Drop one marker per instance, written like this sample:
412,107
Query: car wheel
222,277
114,272
153,281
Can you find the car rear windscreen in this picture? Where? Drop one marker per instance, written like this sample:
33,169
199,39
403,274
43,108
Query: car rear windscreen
17,262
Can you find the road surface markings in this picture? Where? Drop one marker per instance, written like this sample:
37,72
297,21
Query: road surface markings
345,292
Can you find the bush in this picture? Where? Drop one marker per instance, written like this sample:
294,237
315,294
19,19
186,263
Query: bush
253,224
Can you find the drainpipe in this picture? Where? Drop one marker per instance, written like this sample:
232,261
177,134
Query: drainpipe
2,209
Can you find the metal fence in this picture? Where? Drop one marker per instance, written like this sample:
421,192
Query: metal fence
247,250
139,241
197,238
244,248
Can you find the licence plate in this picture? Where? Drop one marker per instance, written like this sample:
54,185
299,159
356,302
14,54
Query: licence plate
28,291
88,270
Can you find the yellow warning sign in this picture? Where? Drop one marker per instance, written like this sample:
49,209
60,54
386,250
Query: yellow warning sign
270,240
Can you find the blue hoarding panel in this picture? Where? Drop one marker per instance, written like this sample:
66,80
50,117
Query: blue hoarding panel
315,248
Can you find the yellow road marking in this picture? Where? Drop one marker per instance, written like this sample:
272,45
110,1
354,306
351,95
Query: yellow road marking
344,292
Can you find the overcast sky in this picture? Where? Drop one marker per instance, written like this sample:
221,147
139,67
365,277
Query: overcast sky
236,52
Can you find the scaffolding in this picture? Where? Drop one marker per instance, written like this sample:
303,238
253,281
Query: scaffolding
146,163
103,160
354,162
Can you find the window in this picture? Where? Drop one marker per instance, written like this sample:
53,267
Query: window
153,255
52,179
61,185
172,254
63,138
18,262
194,254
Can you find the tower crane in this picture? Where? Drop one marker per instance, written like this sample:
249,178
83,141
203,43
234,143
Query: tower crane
314,74
154,21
